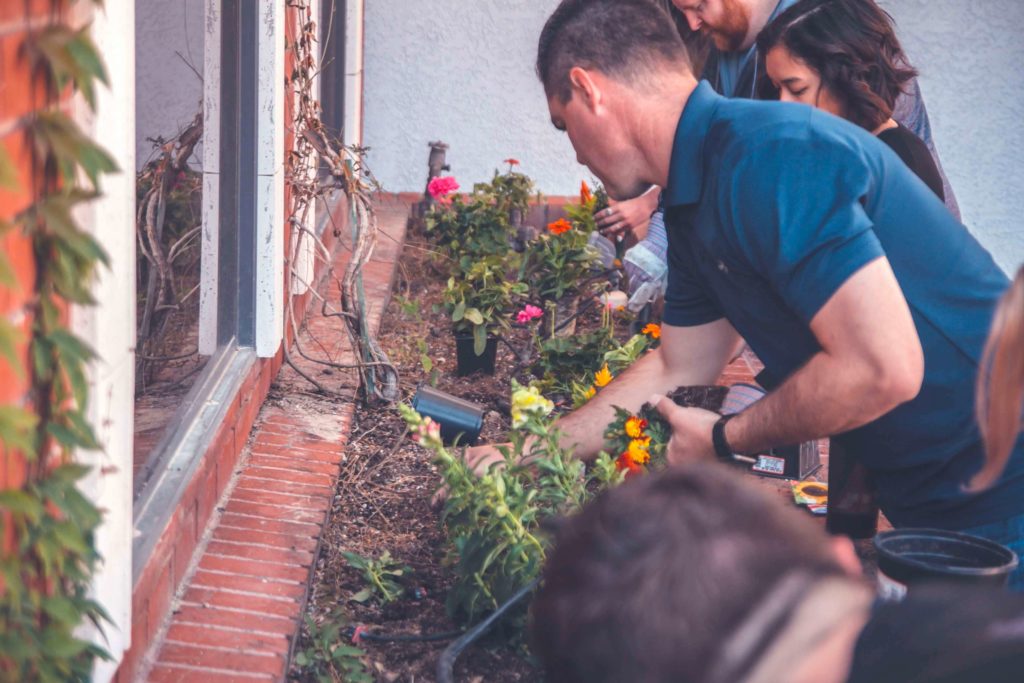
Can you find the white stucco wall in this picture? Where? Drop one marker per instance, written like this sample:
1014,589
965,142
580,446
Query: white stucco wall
169,93
463,72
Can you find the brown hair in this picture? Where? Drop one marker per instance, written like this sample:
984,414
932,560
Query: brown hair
853,45
649,580
1000,393
625,39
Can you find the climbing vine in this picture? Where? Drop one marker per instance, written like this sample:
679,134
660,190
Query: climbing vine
47,526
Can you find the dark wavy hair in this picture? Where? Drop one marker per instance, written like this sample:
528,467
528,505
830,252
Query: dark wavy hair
853,45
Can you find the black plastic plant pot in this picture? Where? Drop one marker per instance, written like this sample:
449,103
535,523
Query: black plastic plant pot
459,419
469,362
909,556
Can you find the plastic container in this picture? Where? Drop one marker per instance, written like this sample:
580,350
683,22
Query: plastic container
909,556
469,362
459,419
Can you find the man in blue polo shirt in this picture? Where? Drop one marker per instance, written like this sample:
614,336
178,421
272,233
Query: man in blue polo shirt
808,237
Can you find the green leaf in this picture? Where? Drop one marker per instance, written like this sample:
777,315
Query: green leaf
8,172
479,339
363,595
474,316
427,364
459,312
22,503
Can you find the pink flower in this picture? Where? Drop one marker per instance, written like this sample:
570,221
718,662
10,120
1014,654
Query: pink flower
442,186
528,313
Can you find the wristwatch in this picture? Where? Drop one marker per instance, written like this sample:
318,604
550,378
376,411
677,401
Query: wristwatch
722,448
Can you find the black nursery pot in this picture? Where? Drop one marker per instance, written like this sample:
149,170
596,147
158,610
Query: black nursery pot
909,556
469,362
459,419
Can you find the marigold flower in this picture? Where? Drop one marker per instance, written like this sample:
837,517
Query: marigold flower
624,462
528,313
603,376
559,226
637,450
442,186
635,427
652,329
585,195
589,393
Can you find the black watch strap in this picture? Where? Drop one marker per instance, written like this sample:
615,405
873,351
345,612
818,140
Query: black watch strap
722,448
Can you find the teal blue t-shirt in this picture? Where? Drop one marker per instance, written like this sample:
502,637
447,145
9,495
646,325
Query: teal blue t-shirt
770,208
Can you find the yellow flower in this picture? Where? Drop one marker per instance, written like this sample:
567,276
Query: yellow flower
589,393
526,402
603,376
637,450
652,329
635,427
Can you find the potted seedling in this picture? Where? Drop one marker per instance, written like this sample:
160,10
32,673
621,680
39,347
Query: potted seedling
479,303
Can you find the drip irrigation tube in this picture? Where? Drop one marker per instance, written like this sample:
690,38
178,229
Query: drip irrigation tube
446,665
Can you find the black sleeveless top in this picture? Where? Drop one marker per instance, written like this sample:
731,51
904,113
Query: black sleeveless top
915,155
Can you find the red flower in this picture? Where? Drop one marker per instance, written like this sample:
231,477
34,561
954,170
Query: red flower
512,162
442,186
559,226
624,462
585,195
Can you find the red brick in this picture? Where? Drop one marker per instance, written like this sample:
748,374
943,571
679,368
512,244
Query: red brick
232,618
194,634
242,601
280,485
287,514
165,673
259,553
287,474
249,584
221,660
294,452
243,567
185,546
159,604
311,503
275,526
284,541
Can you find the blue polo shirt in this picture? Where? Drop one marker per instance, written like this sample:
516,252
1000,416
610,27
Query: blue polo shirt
770,208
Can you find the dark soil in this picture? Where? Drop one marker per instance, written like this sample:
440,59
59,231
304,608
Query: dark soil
384,495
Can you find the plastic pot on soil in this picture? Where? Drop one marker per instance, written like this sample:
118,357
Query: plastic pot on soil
459,419
469,362
909,556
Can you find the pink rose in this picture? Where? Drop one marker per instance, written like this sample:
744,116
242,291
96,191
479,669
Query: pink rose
442,186
528,313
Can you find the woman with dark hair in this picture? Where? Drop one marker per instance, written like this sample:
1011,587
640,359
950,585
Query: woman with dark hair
842,56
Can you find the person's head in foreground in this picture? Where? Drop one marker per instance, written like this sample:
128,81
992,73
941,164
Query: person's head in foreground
693,574
841,56
610,68
687,576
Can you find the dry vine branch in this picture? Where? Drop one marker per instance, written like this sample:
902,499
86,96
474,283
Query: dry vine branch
160,298
346,171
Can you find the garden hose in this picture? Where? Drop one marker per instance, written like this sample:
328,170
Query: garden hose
446,665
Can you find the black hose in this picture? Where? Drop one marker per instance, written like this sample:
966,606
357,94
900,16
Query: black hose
401,637
446,665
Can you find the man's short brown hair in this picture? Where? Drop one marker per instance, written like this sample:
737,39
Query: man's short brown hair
625,39
650,580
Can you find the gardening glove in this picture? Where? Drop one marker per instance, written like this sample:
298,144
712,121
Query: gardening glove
604,247
646,265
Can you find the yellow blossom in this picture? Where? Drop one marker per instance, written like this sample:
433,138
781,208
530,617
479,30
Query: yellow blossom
589,393
637,450
527,401
652,329
603,376
635,427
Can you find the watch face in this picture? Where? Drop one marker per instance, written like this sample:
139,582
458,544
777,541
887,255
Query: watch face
769,464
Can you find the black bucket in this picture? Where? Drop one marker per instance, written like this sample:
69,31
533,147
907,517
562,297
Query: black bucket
469,362
909,556
459,419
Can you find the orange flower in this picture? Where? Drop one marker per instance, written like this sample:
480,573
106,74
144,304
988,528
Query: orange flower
559,226
585,195
652,329
603,376
589,393
624,462
635,427
637,450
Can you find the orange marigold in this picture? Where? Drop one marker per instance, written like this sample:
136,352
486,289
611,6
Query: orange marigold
603,376
559,226
653,330
624,462
637,450
635,427
585,195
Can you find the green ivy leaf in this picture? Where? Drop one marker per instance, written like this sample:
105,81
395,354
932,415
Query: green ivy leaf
21,502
